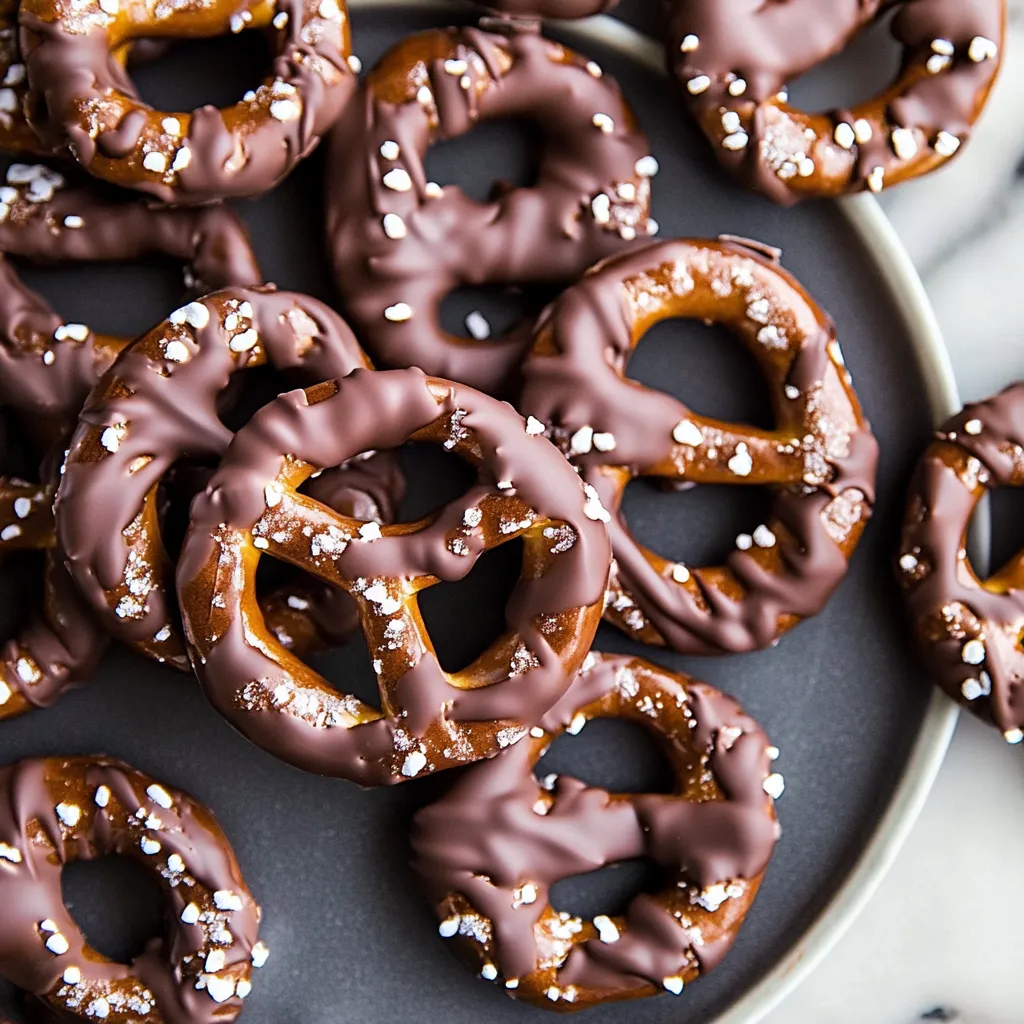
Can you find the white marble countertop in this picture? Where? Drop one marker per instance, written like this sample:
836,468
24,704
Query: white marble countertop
943,931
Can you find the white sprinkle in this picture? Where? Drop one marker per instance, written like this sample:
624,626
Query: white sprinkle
553,992
909,562
190,915
972,427
150,847
424,95
433,190
876,179
936,64
70,814
673,984
390,150
98,1008
456,68
10,853
982,49
774,785
512,983
973,652
773,753
176,351
576,725
646,167
592,506
370,532
245,341
236,24
741,463
731,121
763,537
394,226
160,796
15,74
110,7
737,87
943,46
280,19
355,64
195,314
744,542
688,433
1013,736
971,689
488,972
601,208
10,532
216,960
477,325
243,987
863,130
102,796
415,761
604,442
329,9
48,925
155,162
449,927
398,313
904,144
805,167
604,122
72,332
582,440
690,43
71,976
225,899
606,928
286,110
771,336
534,426
946,144
171,125
8,101
537,732
680,573
220,990
736,141
695,86
844,135
506,485
57,944
175,864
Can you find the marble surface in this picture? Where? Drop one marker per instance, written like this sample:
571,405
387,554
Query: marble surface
942,936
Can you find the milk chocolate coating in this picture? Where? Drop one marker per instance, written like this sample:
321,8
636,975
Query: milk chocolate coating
83,98
499,831
969,628
57,810
428,719
548,8
820,459
157,405
400,241
733,59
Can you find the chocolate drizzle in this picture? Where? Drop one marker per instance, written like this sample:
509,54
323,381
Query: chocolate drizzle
385,220
428,719
733,59
57,810
819,460
83,98
491,848
969,628
157,405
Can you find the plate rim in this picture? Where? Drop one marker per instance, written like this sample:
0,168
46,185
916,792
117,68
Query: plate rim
906,289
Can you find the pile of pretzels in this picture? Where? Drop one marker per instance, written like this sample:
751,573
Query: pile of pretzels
123,434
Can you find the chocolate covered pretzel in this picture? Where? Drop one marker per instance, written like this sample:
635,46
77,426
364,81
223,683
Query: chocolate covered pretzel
428,719
491,848
968,626
160,403
82,98
819,459
57,810
385,218
733,59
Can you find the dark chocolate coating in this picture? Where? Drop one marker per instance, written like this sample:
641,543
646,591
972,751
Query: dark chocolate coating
733,59
428,719
57,810
157,405
490,849
591,197
969,628
82,98
820,459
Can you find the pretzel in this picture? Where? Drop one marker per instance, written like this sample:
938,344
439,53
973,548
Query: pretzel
157,405
733,59
968,626
428,719
82,98
57,810
491,848
385,219
820,459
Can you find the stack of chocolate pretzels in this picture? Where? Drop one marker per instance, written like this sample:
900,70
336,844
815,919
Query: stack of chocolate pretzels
124,431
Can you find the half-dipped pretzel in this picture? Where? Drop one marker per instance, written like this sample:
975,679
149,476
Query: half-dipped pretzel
819,460
157,405
733,59
47,367
401,243
491,848
429,719
83,98
969,627
54,811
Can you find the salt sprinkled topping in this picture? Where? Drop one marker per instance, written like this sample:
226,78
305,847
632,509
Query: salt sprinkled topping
972,689
592,507
695,86
731,121
10,853
9,533
844,135
102,796
972,427
449,927
904,144
488,972
737,87
673,984
646,167
553,992
744,542
216,960
946,144
604,441
398,180
182,159
171,125
195,314
774,785
763,537
155,162
876,179
690,43
534,426
944,47
394,226
73,221
48,925
390,150
150,847
70,814
687,432
606,928
57,944
973,652
370,532
160,796
537,732
175,864
909,562
71,332
477,325
245,341
863,130
415,761
680,573
220,990
225,899
398,313
735,141
582,441
98,1008
260,952
575,727
604,122
176,351
71,976
190,915
286,109
982,49
1013,736
242,988
741,463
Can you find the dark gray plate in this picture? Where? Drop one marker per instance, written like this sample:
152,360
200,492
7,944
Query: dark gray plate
351,939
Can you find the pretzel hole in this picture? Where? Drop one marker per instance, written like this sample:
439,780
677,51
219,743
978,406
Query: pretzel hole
350,666
613,754
116,903
609,890
862,70
111,298
433,478
698,526
706,368
464,618
180,80
1006,508
249,390
489,313
490,159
